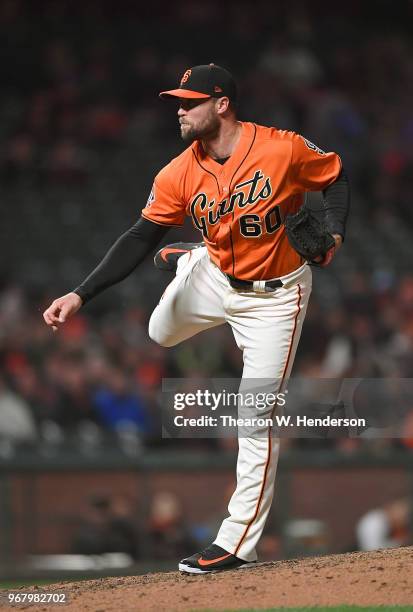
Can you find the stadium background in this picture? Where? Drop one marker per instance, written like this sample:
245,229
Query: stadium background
82,136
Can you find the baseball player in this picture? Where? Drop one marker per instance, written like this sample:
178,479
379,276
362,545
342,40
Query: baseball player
237,181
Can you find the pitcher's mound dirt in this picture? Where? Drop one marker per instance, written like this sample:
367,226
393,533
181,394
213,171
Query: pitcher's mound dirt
377,578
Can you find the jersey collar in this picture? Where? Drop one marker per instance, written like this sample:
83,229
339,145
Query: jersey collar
236,158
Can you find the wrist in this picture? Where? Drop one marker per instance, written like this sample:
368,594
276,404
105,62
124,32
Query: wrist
81,294
338,239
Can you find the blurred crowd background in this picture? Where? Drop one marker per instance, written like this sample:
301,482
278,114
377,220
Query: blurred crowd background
83,133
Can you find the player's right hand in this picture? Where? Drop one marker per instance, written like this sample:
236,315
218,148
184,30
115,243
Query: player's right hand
62,309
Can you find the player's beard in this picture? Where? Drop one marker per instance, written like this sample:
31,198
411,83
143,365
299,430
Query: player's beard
206,129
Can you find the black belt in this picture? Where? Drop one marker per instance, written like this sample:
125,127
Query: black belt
237,283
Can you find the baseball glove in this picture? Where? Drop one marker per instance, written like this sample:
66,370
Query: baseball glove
308,236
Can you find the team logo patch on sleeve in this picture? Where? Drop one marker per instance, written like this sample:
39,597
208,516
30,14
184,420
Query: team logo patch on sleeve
313,147
151,198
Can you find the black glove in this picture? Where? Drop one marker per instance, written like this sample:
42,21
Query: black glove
308,236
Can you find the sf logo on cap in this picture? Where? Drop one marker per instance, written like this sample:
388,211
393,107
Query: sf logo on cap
186,76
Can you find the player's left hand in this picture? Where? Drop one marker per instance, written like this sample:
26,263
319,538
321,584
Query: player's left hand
324,261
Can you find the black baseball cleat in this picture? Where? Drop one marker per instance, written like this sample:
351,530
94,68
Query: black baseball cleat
167,257
212,559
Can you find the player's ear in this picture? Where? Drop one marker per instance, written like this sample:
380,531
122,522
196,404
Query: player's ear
222,105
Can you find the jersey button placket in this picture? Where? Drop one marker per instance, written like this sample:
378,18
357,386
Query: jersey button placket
226,218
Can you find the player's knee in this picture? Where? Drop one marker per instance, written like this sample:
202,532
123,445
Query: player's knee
157,335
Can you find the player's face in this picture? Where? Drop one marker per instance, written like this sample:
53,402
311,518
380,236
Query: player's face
198,118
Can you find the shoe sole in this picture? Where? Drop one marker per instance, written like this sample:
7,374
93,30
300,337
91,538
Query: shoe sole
186,569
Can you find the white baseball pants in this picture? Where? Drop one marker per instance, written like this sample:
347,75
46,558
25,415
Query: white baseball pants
267,328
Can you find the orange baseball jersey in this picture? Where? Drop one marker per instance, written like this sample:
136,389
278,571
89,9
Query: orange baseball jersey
239,206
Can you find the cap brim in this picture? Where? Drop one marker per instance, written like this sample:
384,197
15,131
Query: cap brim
182,93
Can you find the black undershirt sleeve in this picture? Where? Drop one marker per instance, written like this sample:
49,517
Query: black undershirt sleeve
123,257
337,204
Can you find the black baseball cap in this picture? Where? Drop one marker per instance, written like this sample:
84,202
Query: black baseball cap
205,81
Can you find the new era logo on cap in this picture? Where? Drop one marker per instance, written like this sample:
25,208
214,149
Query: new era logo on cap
204,81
